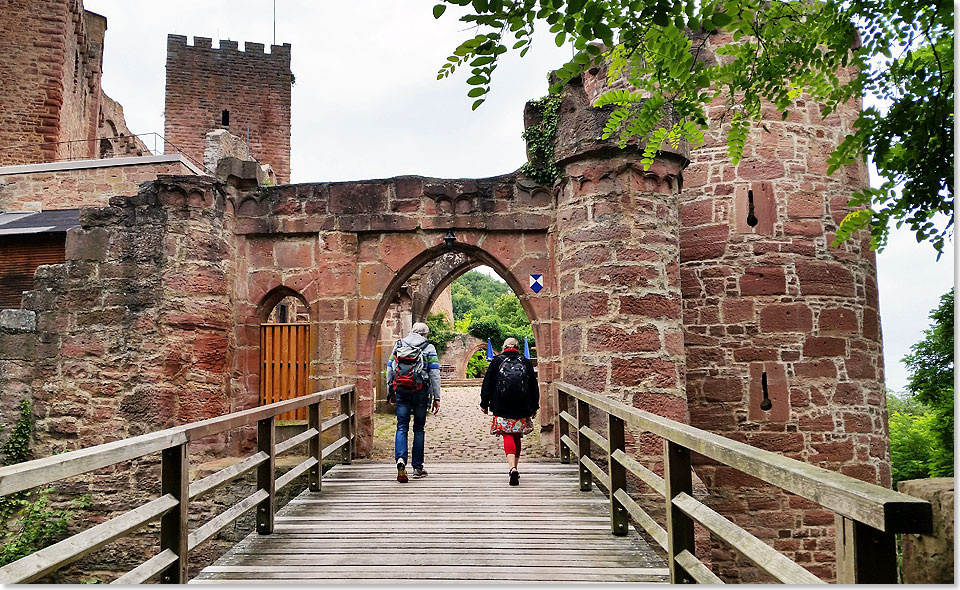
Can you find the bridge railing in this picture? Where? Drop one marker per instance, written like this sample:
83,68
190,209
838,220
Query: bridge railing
177,491
867,516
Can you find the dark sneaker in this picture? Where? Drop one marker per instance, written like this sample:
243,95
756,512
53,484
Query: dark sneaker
514,477
418,473
401,471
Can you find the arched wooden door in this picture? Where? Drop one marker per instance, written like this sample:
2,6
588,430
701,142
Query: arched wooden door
285,365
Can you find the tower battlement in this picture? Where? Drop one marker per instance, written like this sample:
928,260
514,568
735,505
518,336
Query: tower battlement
245,92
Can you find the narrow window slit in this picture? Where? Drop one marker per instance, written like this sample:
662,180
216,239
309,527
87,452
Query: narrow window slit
766,404
752,220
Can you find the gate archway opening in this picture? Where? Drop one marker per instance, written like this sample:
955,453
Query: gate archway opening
286,350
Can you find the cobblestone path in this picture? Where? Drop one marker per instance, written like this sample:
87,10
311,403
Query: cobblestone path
460,432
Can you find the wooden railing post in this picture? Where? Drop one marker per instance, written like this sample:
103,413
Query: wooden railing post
266,480
619,520
865,555
677,479
346,426
583,419
563,405
175,480
314,447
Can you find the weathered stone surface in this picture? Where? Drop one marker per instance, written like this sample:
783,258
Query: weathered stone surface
18,320
928,559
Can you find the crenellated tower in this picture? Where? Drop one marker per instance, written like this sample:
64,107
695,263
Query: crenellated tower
245,92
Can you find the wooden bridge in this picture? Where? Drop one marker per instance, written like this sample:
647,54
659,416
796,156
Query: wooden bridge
353,524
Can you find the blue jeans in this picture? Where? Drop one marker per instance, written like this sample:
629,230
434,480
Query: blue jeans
418,407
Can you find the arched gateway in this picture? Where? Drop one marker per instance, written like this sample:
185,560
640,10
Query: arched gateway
669,301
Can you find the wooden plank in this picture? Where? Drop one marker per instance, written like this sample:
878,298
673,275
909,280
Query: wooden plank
700,572
564,426
648,477
864,554
296,472
766,557
641,517
677,480
293,441
220,424
333,448
583,444
596,471
596,438
619,518
227,474
569,418
870,504
215,524
313,448
266,473
328,424
148,568
23,476
175,482
44,561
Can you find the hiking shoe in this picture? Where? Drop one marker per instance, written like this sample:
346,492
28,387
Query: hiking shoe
418,473
514,477
401,471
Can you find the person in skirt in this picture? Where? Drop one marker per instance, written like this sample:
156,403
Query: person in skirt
511,393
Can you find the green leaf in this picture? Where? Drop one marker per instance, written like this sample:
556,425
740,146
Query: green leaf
477,103
438,10
721,19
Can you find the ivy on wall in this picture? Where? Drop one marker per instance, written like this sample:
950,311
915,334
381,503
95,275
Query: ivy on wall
28,521
541,165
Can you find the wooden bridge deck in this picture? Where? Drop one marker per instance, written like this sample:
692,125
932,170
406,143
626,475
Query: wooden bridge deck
462,523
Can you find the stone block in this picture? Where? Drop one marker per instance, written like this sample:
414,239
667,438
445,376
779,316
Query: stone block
763,280
795,317
704,242
929,559
825,278
87,244
18,320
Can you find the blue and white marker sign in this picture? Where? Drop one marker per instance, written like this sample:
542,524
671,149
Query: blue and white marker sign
536,283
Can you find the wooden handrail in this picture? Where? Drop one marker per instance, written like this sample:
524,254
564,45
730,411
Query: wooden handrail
171,507
882,509
868,515
23,476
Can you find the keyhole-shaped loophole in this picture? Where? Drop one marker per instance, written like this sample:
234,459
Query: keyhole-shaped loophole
752,220
766,404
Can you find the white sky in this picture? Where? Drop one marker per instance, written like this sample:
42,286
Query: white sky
367,104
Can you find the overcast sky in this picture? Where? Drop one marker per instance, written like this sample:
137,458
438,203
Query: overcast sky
367,104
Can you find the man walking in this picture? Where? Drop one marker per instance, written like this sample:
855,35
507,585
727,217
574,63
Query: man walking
413,384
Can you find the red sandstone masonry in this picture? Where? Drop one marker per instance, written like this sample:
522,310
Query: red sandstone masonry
252,85
79,188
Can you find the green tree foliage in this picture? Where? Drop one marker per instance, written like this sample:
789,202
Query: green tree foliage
931,380
913,443
493,310
830,52
441,331
477,365
475,292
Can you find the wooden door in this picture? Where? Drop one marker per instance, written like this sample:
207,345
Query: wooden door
284,365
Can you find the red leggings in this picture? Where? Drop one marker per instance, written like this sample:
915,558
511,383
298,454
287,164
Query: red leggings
511,444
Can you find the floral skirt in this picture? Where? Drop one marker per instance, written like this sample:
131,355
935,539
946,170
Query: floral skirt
511,425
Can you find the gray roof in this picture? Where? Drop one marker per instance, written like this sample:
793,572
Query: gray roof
38,222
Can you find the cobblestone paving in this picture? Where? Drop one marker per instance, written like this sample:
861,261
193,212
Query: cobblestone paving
460,432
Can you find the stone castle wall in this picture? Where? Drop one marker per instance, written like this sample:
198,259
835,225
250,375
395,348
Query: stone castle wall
65,186
52,57
253,86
